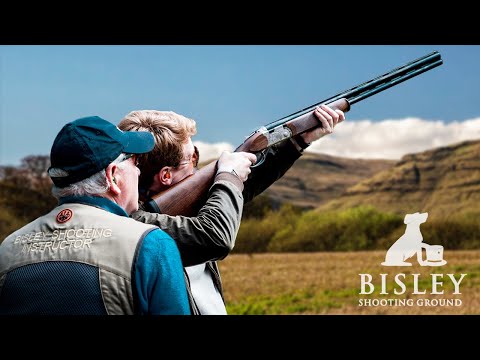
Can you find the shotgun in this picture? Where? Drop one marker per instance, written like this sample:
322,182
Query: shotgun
189,195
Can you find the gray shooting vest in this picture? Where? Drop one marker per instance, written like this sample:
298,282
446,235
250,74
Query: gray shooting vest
76,259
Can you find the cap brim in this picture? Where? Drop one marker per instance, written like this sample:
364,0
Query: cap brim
138,142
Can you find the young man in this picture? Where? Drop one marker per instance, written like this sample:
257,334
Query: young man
87,257
209,236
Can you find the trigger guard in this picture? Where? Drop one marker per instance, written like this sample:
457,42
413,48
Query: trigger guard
260,159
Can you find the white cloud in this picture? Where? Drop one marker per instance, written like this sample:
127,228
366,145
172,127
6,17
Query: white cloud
388,139
211,151
391,139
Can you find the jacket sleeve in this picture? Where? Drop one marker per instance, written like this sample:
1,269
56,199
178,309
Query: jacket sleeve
211,234
159,278
279,158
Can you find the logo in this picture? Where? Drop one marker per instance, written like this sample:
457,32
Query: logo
64,215
411,244
423,289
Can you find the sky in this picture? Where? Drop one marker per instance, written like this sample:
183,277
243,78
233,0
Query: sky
232,90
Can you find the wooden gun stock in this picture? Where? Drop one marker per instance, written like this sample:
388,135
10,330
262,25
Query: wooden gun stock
187,196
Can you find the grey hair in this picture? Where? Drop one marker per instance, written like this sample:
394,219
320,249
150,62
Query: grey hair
94,185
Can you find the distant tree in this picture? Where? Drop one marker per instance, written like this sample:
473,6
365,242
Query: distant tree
31,174
36,164
258,207
25,193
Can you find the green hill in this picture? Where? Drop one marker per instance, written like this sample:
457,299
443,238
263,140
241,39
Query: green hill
445,182
315,179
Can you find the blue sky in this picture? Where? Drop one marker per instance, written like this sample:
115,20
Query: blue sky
230,90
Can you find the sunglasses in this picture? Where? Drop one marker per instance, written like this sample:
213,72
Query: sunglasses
193,159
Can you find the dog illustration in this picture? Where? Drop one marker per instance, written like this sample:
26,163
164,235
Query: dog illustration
409,244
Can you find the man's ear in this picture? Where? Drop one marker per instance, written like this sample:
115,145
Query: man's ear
112,182
164,176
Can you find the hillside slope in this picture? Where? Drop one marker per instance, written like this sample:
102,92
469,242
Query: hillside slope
444,181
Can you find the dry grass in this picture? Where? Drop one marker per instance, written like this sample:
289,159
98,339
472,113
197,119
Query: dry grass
329,283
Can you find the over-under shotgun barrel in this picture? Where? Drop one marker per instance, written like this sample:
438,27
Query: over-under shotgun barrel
374,86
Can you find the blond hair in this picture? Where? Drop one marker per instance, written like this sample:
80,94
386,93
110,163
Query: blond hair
170,131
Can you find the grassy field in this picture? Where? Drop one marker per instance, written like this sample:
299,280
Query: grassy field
329,283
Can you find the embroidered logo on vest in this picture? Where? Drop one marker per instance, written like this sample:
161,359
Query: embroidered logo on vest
64,215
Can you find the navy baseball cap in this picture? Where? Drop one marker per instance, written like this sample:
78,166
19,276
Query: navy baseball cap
88,145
